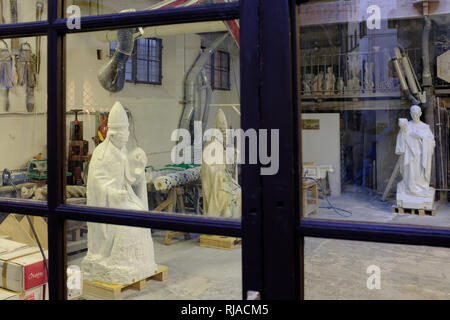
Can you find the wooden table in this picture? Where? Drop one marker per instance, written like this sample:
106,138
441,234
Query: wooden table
310,205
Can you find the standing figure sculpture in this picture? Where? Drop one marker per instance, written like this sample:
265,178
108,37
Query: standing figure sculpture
415,146
118,254
330,81
221,193
317,84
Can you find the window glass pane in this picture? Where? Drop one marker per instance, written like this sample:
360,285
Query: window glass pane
149,264
17,11
374,271
23,244
96,7
154,72
224,80
142,70
162,169
142,49
23,119
374,111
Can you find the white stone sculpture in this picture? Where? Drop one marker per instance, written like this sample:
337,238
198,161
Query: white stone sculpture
307,83
330,81
415,145
118,254
317,83
340,85
221,193
368,74
353,83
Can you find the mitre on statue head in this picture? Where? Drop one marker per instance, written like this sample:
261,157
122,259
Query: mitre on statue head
117,117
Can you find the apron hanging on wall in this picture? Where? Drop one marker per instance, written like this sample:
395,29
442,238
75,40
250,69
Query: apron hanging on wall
6,73
26,72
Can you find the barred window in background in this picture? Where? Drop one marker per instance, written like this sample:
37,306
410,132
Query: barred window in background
218,70
144,65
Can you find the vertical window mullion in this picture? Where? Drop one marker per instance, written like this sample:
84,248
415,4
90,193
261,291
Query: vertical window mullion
134,61
160,60
56,152
148,61
213,80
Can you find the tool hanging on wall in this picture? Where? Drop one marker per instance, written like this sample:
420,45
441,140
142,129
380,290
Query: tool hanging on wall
78,150
13,9
6,72
39,10
2,16
26,72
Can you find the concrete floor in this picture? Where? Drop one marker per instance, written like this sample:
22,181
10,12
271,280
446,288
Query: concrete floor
334,269
195,273
337,269
367,206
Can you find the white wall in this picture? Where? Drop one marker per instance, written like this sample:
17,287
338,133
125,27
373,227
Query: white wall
23,134
323,146
156,109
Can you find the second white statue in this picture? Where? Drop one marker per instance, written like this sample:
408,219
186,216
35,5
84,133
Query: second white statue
415,145
118,254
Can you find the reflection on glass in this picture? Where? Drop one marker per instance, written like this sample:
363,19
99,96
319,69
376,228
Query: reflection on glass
17,11
354,270
370,154
139,264
146,128
23,118
23,244
97,7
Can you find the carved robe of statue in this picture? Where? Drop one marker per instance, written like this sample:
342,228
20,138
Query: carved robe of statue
415,145
221,193
117,254
317,83
330,81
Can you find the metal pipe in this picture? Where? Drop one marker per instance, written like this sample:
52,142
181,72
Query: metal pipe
427,81
190,82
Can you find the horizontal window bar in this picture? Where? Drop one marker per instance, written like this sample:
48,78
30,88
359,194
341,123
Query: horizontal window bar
403,234
175,222
23,207
23,29
227,11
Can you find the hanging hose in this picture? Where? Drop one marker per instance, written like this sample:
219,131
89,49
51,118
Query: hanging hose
330,205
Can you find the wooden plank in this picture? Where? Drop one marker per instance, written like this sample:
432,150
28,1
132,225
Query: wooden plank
14,229
419,212
391,180
218,242
116,291
40,226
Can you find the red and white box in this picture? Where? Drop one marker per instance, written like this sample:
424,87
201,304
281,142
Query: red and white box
21,267
37,293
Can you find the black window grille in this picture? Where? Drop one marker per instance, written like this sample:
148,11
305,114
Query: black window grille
218,70
145,63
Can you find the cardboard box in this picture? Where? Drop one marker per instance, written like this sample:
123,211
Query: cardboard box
21,266
37,293
8,295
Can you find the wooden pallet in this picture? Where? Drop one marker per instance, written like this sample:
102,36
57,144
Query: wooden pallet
115,291
420,212
219,242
